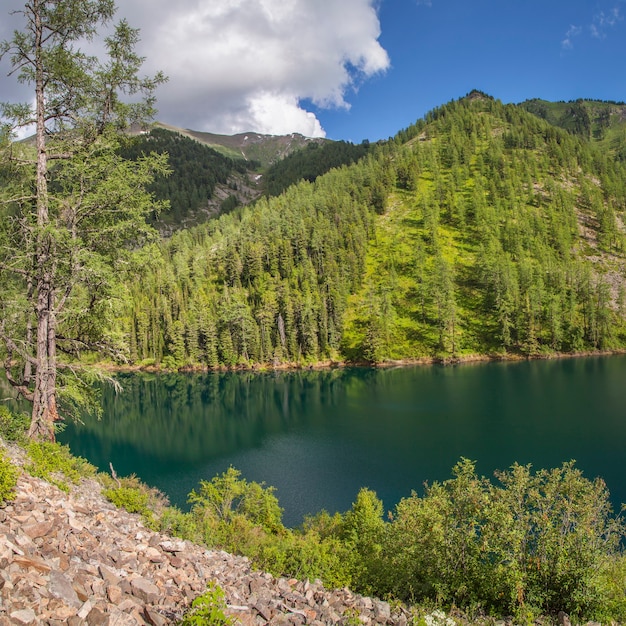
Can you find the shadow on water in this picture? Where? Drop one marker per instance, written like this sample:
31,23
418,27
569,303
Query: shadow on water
318,436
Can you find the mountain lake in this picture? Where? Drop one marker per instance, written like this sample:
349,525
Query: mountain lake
319,436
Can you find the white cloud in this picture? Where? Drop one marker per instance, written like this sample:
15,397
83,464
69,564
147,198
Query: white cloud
603,21
248,65
237,65
279,114
572,32
600,24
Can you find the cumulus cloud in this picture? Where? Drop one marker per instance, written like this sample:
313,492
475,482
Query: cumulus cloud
237,65
249,65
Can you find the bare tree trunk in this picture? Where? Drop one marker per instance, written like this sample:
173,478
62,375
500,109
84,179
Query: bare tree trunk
44,406
44,403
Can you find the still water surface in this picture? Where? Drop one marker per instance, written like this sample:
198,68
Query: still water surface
320,436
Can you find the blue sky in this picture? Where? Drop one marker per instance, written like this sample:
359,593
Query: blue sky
361,69
551,49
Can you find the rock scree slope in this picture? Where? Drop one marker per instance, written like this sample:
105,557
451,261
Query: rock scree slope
74,558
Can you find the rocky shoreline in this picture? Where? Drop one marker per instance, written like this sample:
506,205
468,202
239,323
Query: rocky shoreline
74,558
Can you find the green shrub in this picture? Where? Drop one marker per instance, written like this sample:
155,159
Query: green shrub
244,517
612,588
228,496
55,463
208,609
533,544
8,479
131,494
13,426
175,522
132,499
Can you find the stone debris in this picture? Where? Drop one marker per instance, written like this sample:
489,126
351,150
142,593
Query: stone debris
76,559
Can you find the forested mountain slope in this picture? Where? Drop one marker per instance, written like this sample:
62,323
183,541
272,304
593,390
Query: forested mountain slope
598,121
208,178
202,182
311,162
481,229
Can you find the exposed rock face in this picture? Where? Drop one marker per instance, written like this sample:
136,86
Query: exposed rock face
76,559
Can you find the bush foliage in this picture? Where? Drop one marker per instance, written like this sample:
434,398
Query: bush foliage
527,544
208,609
55,463
8,479
13,426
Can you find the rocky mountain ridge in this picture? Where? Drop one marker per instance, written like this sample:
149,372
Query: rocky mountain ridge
73,558
250,146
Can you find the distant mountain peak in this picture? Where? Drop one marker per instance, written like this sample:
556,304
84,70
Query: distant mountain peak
249,146
476,94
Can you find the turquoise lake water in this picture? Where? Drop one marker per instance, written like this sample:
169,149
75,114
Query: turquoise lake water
318,436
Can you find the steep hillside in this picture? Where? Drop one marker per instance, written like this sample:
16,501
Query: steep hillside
261,150
71,557
503,234
202,182
482,229
598,121
310,163
209,178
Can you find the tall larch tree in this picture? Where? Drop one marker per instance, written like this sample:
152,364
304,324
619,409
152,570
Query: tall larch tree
71,205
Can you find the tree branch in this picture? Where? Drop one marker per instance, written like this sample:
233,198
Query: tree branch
13,347
20,161
14,270
21,389
78,345
19,199
60,156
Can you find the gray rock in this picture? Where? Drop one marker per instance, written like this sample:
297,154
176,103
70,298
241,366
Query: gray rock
172,545
264,611
382,610
24,616
154,617
38,529
108,576
60,587
84,610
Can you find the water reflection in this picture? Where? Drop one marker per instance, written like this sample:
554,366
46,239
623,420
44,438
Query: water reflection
319,436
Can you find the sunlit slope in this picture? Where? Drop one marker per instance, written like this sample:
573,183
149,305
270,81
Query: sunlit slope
503,234
600,122
480,230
